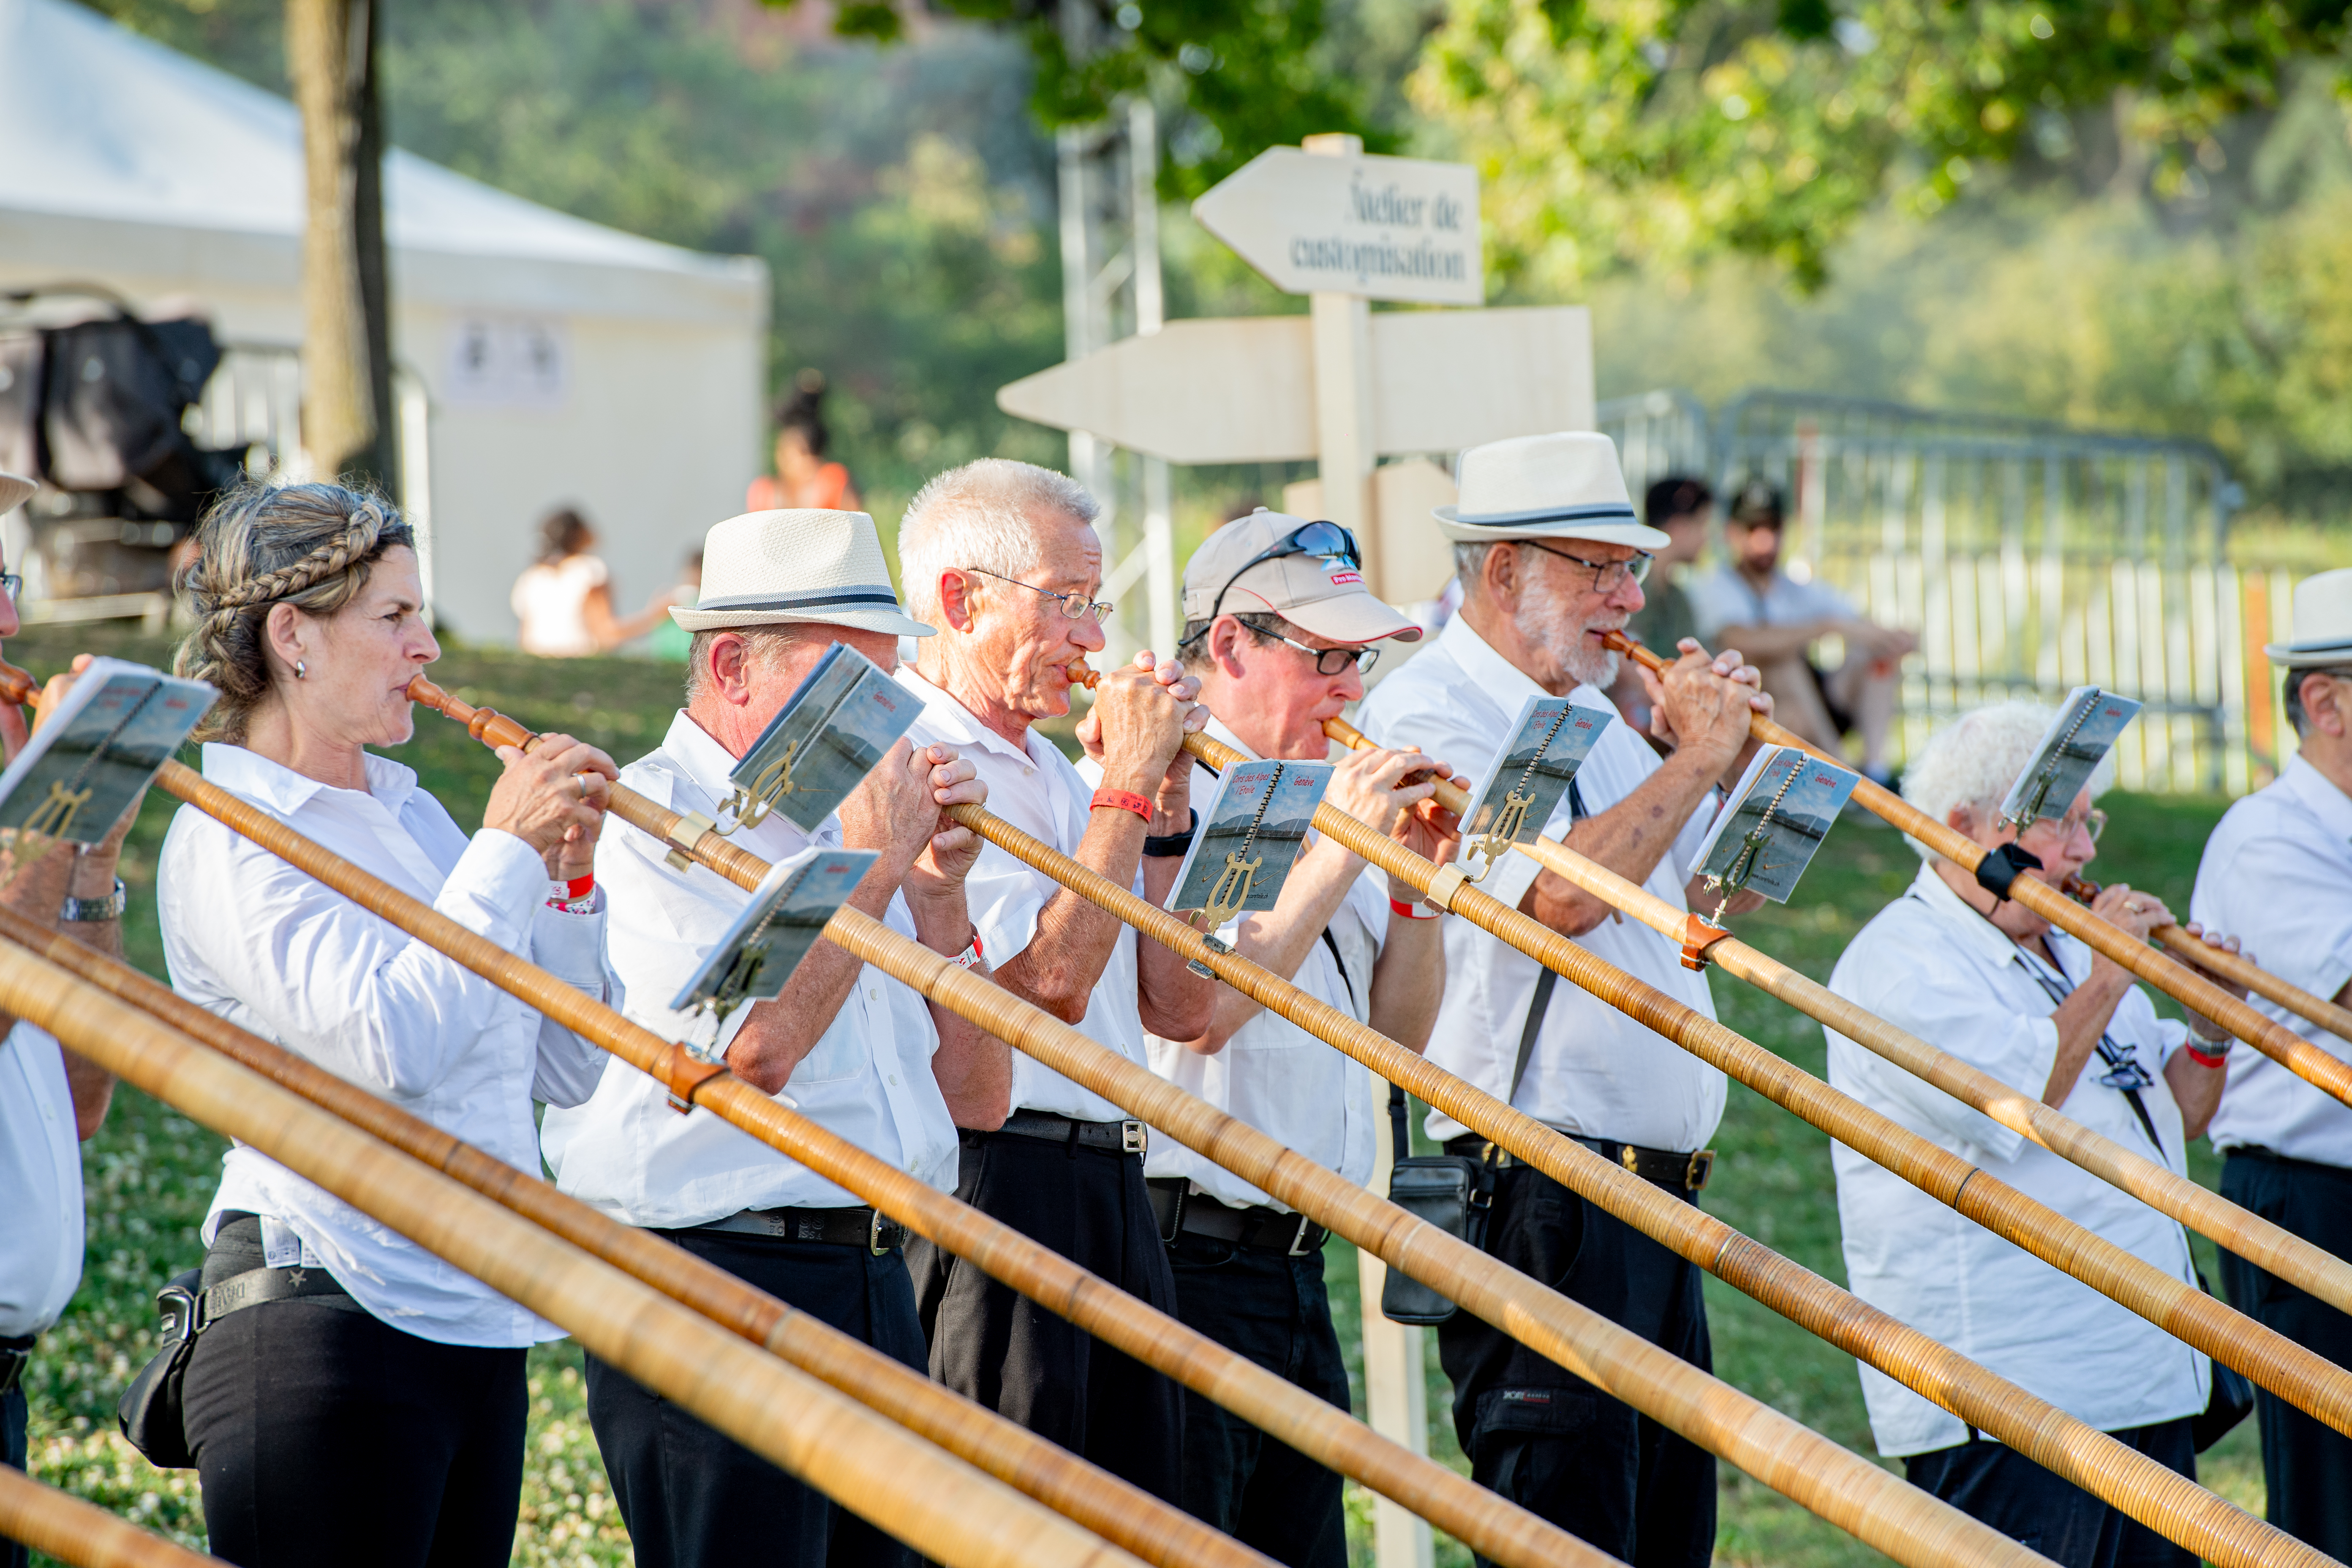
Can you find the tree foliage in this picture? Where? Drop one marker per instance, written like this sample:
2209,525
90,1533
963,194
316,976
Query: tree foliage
1617,132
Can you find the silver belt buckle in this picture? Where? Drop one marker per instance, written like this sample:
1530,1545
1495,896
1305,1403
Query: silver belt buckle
874,1232
1131,1137
1299,1247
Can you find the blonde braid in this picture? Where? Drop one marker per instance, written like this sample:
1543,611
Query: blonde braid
329,559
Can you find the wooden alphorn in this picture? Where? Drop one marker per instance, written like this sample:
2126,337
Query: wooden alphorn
1897,1519
2234,967
2185,985
2065,1445
1495,1527
1117,1511
2260,1241
934,1502
82,1534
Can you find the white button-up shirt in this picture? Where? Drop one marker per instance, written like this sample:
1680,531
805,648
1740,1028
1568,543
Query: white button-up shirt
40,1170
868,1079
265,946
1594,1072
1931,964
1306,1095
2278,874
1037,790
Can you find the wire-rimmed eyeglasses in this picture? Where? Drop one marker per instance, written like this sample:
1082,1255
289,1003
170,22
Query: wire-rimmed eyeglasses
2094,822
1075,607
1608,576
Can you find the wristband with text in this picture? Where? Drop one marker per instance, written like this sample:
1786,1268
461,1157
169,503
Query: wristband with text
576,896
1124,800
1411,912
970,957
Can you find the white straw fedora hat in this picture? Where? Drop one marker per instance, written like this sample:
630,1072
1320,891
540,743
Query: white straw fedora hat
14,489
797,567
2323,622
1567,485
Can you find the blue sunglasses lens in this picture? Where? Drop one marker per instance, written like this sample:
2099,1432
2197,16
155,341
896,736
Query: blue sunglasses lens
1326,539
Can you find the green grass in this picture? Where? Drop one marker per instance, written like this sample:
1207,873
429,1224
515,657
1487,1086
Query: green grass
151,1173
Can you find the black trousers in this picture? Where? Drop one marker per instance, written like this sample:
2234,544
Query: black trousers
14,1448
992,1344
319,1432
1273,1309
692,1496
1549,1440
2307,1465
1998,1485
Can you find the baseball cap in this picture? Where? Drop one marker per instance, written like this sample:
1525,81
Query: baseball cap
1322,594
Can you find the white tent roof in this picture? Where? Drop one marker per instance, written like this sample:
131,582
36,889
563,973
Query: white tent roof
101,125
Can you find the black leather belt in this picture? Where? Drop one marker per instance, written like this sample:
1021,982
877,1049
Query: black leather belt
1184,1212
863,1228
1677,1172
15,1354
1120,1137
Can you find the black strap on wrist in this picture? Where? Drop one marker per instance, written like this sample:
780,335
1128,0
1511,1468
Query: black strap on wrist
1173,843
2000,868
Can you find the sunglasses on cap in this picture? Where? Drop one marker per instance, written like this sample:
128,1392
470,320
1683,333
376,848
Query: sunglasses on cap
1328,540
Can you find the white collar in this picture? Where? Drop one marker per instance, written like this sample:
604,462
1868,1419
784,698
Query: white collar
1973,929
2318,794
962,727
693,752
248,772
1488,671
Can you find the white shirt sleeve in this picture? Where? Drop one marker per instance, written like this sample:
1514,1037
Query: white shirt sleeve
571,948
376,1006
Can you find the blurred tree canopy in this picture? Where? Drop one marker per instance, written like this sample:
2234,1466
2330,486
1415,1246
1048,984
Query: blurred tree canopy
1658,132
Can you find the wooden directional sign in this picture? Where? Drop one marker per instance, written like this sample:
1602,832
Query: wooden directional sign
1380,228
1243,390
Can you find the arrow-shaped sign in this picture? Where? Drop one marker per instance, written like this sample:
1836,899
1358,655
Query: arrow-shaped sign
1383,229
1243,390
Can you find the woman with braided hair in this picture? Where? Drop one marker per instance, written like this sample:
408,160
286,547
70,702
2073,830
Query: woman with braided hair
351,1395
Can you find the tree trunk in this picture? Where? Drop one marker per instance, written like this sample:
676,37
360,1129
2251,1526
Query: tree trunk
346,338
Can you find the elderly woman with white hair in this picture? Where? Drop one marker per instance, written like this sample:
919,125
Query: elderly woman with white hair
2001,989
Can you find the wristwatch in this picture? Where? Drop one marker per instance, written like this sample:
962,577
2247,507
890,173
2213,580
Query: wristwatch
108,907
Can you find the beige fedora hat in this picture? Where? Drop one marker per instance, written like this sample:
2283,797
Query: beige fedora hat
2323,622
797,567
1234,572
14,489
1567,485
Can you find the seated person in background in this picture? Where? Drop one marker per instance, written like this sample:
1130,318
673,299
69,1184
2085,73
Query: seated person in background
1680,508
1774,619
1996,986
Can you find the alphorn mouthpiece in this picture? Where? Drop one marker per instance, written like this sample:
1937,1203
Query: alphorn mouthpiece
1623,642
18,685
485,724
1083,674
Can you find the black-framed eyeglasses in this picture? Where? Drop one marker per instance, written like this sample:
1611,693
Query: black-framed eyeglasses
1076,606
1608,576
1325,538
1328,660
12,584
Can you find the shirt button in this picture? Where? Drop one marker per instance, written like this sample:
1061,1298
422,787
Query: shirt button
894,1080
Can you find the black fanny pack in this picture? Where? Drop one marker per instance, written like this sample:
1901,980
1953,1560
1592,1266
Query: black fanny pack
1452,1191
152,1411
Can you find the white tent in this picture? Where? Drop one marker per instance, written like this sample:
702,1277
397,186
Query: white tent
560,361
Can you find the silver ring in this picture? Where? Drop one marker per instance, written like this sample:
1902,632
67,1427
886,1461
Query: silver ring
2134,908
580,782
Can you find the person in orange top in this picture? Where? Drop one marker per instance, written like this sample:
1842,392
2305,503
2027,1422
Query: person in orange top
804,478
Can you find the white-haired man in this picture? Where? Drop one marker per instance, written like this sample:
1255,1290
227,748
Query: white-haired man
2278,872
1002,558
847,1046
1550,556
1998,988
1280,628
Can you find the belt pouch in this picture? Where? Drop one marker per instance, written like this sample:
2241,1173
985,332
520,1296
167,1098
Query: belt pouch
1455,1194
151,1412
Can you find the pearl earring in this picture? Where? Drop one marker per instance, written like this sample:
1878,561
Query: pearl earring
300,669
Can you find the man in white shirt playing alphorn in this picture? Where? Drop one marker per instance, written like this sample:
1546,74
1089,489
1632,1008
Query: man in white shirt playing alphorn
844,1045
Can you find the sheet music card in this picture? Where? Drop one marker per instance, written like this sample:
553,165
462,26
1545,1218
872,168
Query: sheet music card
829,735
1248,838
1549,741
774,931
1766,833
98,749
2087,725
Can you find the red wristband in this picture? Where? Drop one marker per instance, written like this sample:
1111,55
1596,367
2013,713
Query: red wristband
1125,800
1412,912
580,888
2200,1058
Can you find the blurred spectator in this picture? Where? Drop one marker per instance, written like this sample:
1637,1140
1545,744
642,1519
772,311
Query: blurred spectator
564,600
1749,604
669,639
802,477
1681,508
